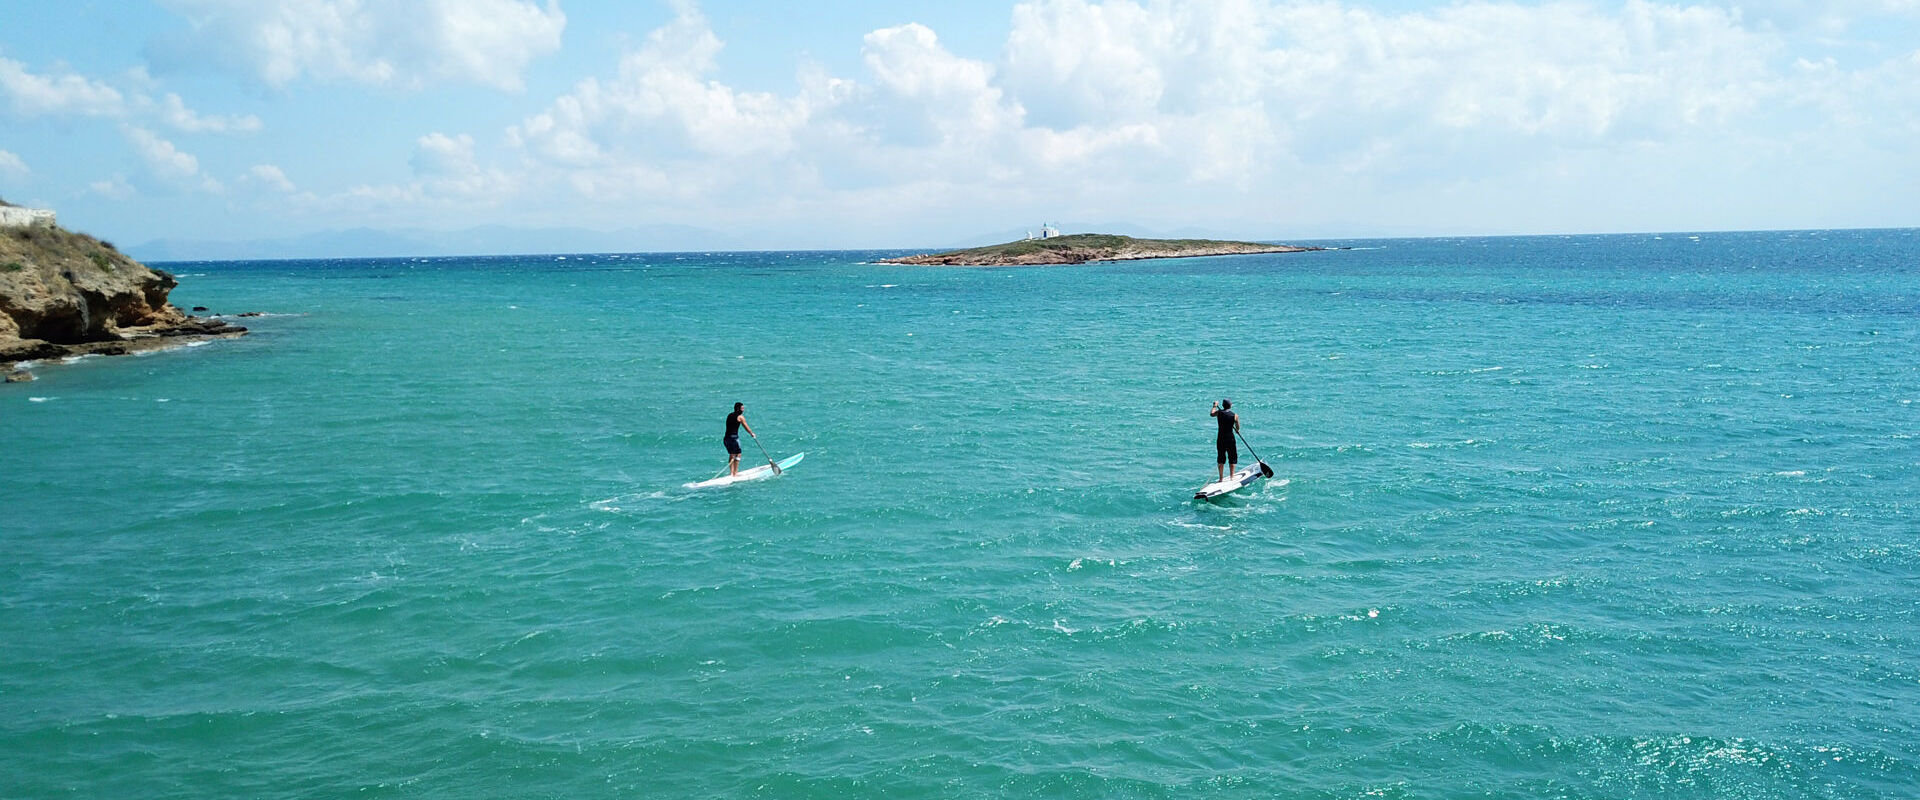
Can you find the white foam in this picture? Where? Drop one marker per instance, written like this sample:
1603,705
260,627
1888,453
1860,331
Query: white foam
38,399
614,505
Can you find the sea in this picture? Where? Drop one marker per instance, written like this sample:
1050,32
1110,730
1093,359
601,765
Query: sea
1622,516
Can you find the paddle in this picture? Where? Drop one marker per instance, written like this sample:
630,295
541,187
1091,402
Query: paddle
1264,469
776,467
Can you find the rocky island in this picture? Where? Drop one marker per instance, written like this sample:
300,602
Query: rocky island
1081,248
68,294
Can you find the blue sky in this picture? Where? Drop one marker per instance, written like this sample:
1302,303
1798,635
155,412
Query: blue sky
882,124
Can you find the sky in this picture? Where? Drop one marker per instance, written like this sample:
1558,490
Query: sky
902,123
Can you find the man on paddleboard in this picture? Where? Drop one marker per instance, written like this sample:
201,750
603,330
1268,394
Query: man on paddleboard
1223,445
735,421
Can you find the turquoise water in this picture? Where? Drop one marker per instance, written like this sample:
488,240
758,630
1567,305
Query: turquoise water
1581,517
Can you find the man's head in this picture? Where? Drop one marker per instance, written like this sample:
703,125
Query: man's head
1226,403
739,406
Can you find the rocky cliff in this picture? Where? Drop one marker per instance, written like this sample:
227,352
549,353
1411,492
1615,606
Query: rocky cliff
64,293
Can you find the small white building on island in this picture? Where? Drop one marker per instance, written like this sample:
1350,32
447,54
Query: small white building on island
1047,231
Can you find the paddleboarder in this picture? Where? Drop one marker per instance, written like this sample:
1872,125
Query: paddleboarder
1227,452
735,421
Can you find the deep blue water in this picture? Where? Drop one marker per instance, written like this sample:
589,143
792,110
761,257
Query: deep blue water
1580,517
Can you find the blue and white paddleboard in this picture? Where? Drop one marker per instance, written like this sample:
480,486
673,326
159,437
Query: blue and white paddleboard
1233,483
754,474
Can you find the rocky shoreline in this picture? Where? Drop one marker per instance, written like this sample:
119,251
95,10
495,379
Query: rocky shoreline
66,294
1089,247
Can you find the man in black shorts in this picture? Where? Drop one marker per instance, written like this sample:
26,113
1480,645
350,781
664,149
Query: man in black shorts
735,421
1228,453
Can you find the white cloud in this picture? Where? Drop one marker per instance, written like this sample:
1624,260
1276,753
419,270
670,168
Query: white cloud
61,95
1472,115
166,161
447,178
446,167
271,177
115,188
957,95
623,135
175,112
11,166
438,155
404,43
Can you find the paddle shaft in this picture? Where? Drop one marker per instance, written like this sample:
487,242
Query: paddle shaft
1265,470
776,467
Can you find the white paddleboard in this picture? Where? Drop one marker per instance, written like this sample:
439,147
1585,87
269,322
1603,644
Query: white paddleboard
754,474
1233,483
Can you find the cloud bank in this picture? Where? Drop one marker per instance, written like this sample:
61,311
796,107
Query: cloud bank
1292,115
401,43
1255,118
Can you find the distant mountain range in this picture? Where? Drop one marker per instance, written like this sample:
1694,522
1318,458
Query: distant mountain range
486,240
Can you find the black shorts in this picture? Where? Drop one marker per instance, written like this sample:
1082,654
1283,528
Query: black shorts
1227,450
733,445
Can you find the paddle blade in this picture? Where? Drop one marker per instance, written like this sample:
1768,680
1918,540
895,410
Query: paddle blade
1266,470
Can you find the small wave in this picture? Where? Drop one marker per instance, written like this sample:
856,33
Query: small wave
622,503
38,399
1461,443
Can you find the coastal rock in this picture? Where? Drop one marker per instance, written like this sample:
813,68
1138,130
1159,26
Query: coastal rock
1084,247
19,376
64,293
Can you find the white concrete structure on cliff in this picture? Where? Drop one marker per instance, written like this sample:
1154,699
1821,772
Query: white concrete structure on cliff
17,217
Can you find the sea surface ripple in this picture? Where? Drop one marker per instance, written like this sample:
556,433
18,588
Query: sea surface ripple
1569,517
